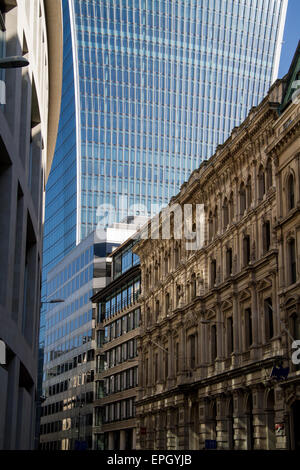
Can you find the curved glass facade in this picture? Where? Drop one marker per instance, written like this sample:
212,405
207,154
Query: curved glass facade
158,85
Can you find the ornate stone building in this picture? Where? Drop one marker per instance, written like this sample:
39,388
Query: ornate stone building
218,322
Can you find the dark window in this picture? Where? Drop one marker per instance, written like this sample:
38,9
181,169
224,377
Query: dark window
242,199
246,249
166,363
292,261
225,213
213,272
266,236
229,261
157,309
261,183
229,335
291,192
249,192
194,286
231,208
269,318
192,341
177,357
167,302
156,367
269,174
216,221
248,327
210,226
213,342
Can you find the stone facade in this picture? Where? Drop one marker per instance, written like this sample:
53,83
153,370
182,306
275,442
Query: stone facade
217,320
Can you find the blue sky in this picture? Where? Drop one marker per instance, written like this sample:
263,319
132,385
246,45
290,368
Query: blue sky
291,36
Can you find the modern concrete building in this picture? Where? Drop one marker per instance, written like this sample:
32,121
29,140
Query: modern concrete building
117,330
216,362
29,114
69,353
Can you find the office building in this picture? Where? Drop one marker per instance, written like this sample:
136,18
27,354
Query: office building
29,114
217,363
69,352
116,375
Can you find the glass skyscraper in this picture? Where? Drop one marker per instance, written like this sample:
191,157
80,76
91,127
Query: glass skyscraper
151,87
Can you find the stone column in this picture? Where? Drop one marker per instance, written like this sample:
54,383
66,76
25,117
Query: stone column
259,418
222,424
239,422
182,425
111,440
134,441
161,429
122,439
203,415
171,436
150,431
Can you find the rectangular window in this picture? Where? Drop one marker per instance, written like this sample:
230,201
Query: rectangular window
248,327
229,335
192,347
213,342
269,325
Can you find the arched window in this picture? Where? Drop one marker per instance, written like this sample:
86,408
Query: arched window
269,174
225,213
249,192
292,261
261,182
242,199
290,192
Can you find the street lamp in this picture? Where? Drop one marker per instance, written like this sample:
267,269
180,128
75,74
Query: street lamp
13,62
